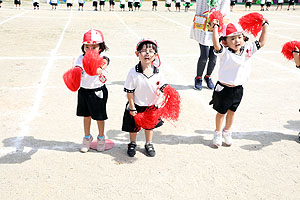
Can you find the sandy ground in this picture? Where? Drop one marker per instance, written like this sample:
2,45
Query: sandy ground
40,134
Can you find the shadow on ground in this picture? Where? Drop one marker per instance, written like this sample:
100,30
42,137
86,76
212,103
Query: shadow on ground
28,145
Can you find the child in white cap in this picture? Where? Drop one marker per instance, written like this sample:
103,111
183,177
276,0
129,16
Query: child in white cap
92,93
235,56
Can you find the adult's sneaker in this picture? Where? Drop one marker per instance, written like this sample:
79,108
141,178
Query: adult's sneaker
198,84
150,149
131,149
227,135
86,144
217,141
209,83
100,144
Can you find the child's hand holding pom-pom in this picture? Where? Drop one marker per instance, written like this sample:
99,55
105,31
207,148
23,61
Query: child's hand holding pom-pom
216,18
91,62
290,47
252,23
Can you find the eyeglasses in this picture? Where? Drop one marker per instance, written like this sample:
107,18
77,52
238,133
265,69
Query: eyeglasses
144,51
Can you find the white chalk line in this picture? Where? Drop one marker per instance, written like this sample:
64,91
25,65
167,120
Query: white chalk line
13,17
40,92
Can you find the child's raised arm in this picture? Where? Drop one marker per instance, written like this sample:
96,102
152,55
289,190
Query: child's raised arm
263,36
296,57
216,42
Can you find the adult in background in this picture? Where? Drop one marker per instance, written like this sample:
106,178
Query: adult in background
203,35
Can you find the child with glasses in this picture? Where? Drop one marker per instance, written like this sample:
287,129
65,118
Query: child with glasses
144,85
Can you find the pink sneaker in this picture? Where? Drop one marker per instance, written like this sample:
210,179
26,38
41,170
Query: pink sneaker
86,144
227,137
217,141
101,144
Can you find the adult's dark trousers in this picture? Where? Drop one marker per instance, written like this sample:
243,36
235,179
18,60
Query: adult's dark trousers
206,53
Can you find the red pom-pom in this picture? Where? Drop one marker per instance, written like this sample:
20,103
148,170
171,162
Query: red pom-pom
170,108
218,16
288,48
91,62
252,23
147,119
72,78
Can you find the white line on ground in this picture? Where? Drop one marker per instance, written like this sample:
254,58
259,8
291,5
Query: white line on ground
13,17
173,21
127,27
39,95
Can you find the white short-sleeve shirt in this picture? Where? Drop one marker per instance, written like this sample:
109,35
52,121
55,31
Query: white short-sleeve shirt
235,69
91,82
146,89
69,1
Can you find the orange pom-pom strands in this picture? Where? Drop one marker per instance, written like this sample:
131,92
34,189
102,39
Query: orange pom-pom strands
92,61
252,23
72,78
288,48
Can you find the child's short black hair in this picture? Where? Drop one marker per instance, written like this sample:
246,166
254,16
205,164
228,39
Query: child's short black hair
102,47
148,44
223,38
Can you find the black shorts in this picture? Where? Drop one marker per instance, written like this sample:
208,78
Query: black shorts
262,4
154,3
111,2
291,3
226,98
187,4
92,102
128,120
95,3
122,5
80,4
268,4
102,3
53,4
232,3
137,4
69,4
18,2
36,4
177,5
248,4
280,4
168,5
129,4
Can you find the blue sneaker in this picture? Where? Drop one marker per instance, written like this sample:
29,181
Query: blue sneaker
198,84
209,83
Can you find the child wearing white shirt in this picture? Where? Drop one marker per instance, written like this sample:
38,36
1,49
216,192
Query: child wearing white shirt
235,56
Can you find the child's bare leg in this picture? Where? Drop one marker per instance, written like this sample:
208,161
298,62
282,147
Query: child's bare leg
219,121
132,136
229,119
148,135
87,125
100,127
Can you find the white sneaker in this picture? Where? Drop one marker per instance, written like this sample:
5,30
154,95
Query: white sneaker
227,137
86,144
217,141
100,144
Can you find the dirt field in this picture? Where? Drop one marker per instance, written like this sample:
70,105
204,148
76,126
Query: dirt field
40,134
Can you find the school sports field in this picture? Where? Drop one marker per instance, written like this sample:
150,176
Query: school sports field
40,134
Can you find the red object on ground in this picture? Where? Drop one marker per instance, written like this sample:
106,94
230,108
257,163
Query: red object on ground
72,78
252,23
288,48
91,62
109,144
